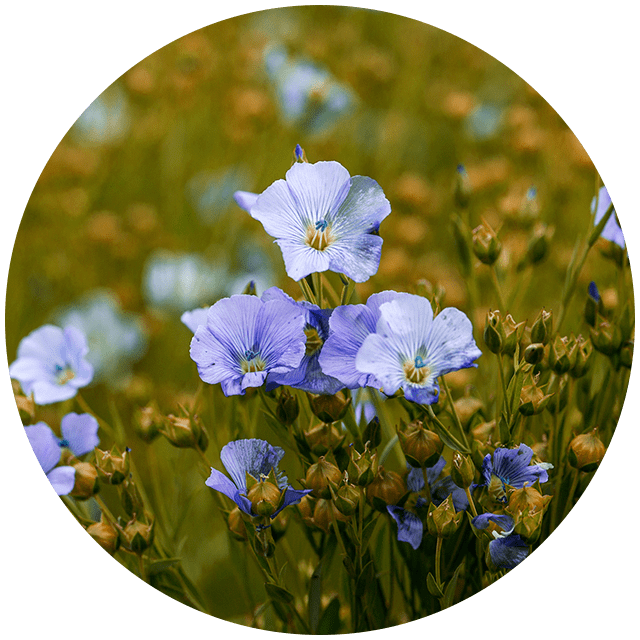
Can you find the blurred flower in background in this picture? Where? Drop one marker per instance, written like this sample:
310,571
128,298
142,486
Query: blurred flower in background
181,281
308,96
106,120
211,192
116,339
612,230
484,122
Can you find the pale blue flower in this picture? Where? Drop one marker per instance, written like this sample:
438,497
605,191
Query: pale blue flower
52,364
105,121
79,434
116,339
323,220
507,549
411,349
247,342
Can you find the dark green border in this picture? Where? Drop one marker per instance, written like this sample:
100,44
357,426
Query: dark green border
580,56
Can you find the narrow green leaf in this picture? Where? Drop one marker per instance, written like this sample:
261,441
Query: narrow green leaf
451,587
278,593
434,588
330,620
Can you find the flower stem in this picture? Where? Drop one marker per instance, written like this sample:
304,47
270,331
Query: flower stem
471,502
454,412
438,560
498,288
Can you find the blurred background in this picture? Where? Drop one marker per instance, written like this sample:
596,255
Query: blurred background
133,222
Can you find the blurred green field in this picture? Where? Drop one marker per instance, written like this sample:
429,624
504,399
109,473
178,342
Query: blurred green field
152,167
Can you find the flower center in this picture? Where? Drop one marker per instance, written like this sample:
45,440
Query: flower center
252,362
63,443
496,488
314,341
64,374
416,370
319,235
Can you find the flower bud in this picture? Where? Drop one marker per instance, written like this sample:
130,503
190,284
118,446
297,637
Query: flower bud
146,423
528,525
329,408
606,337
584,353
586,451
132,501
626,354
287,409
138,535
185,431
324,438
461,236
559,391
421,447
593,305
463,470
512,335
532,399
265,497
494,332
387,488
322,475
250,289
443,521
112,466
538,245
462,192
526,499
347,499
236,525
530,208
105,534
562,354
362,467
324,514
486,245
542,328
86,481
534,353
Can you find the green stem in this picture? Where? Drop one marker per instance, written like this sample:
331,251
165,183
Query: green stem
498,288
471,502
454,412
504,390
438,559
574,486
317,286
306,291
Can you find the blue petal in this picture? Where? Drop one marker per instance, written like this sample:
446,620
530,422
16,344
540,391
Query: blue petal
81,432
612,230
245,200
356,256
46,392
482,521
506,553
221,483
196,318
62,479
291,496
512,467
44,444
364,208
253,456
415,479
76,350
446,487
410,528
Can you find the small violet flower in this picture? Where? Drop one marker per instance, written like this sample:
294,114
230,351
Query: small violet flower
79,434
410,526
511,467
308,376
322,219
411,349
247,342
259,460
51,364
612,230
507,549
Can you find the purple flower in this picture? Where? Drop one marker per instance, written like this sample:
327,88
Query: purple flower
349,326
511,467
323,219
308,376
79,433
51,364
612,230
256,458
410,527
247,341
411,349
507,549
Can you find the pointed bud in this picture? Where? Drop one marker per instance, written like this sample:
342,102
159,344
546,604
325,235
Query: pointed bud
250,289
529,210
562,354
584,357
626,354
105,534
542,328
593,305
527,499
586,451
324,438
132,501
362,467
421,447
606,337
486,245
321,476
512,335
462,193
532,399
538,246
387,488
265,497
347,499
528,525
287,409
463,470
112,466
462,237
443,521
146,423
236,525
185,431
299,155
558,389
86,481
494,332
138,535
329,408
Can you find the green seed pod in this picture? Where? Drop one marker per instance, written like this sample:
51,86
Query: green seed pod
321,476
486,245
443,521
542,328
494,332
586,451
